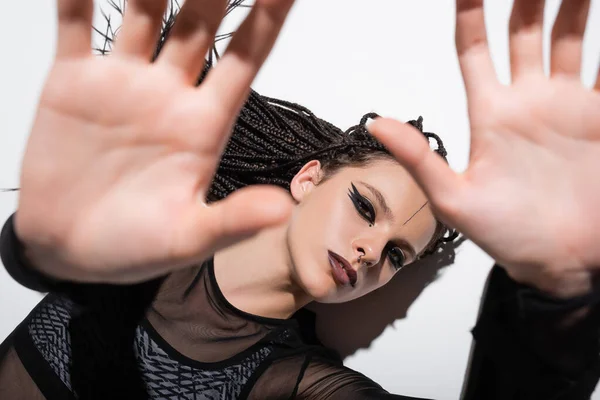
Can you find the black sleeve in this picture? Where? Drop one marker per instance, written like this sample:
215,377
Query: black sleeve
102,326
323,380
122,301
311,375
527,347
11,252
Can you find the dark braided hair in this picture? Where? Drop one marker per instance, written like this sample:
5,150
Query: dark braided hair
272,139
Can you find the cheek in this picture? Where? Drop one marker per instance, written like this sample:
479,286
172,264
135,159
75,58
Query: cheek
326,221
311,231
338,224
378,276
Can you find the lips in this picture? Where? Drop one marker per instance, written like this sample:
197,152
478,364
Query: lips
342,270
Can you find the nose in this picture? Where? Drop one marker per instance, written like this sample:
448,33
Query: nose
367,252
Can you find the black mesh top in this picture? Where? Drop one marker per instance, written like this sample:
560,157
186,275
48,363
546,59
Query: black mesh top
178,337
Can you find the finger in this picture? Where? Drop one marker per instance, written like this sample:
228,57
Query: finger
412,150
192,36
74,28
527,38
229,83
472,47
142,24
242,214
567,38
597,86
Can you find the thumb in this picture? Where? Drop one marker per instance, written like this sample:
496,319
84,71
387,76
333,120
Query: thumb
411,148
239,216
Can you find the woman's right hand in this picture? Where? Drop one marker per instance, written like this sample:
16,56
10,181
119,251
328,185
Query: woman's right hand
123,150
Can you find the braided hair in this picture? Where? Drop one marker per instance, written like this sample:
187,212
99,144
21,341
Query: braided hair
272,139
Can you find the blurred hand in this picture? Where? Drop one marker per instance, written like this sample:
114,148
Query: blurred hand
123,151
531,194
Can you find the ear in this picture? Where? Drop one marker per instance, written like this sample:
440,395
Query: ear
305,180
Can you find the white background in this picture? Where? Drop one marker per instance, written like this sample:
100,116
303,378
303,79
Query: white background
340,58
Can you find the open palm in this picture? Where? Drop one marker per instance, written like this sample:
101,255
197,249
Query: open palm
530,195
123,151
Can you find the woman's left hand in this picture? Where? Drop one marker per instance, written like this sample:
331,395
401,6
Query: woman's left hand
531,194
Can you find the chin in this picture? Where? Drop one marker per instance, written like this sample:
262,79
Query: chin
323,289
319,285
338,298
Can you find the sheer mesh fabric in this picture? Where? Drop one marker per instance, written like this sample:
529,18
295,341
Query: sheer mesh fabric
194,317
321,379
15,382
190,343
199,323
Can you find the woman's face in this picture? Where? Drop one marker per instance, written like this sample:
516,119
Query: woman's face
376,214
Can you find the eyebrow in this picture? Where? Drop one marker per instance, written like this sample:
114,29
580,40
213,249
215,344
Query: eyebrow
380,200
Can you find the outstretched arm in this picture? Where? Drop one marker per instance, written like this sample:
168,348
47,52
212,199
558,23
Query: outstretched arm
529,197
531,346
113,188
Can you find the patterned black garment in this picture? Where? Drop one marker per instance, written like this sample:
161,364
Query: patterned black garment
166,373
179,338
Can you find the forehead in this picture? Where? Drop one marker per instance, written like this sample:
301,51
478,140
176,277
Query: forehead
413,217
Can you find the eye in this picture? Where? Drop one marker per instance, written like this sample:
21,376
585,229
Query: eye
362,205
397,257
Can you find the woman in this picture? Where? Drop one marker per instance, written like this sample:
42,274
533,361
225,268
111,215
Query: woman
164,295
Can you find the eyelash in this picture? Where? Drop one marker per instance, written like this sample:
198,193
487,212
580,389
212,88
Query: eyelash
366,210
362,205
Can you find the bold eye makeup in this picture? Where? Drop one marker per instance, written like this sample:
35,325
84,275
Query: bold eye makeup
362,204
365,209
396,257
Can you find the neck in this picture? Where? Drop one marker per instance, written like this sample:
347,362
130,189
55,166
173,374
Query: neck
255,276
